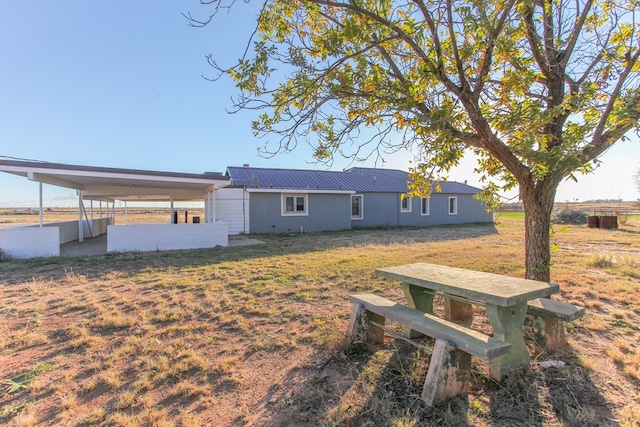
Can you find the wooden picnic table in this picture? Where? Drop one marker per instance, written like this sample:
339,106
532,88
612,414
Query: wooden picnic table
505,299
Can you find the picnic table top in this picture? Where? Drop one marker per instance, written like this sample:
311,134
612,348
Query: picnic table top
476,285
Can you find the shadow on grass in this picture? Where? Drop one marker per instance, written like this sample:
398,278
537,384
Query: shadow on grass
572,394
274,245
362,387
384,388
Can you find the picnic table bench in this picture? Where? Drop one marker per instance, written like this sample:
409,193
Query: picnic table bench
504,297
507,301
548,317
450,363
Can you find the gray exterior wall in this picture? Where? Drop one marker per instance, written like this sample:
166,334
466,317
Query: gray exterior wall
379,210
383,210
327,212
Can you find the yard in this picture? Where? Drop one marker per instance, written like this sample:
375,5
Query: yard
253,335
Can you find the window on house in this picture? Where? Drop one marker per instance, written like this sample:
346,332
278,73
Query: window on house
425,206
294,204
453,206
405,204
356,207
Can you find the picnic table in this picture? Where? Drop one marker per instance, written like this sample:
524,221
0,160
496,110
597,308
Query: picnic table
505,299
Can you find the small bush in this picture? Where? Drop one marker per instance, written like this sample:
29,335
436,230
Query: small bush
571,216
622,217
602,261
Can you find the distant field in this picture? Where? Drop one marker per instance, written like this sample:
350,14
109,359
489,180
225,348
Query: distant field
505,214
592,208
122,216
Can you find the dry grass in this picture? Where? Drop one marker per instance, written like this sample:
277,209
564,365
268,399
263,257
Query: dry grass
253,335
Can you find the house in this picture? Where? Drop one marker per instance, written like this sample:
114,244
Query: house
243,200
262,200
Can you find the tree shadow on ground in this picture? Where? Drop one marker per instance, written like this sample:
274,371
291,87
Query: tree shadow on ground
571,392
365,388
274,245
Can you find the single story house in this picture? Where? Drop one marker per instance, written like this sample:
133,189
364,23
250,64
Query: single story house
243,200
264,200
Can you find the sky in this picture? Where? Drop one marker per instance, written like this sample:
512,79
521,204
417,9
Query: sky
120,84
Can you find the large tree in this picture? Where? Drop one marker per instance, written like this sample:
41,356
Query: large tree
536,89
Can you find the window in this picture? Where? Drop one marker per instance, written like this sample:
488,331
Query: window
294,204
425,206
405,203
453,206
356,207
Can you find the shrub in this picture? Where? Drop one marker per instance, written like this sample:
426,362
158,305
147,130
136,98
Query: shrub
570,216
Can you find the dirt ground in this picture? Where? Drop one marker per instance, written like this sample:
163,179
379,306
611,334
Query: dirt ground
252,336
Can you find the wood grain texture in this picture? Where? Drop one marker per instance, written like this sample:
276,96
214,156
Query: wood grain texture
465,339
486,287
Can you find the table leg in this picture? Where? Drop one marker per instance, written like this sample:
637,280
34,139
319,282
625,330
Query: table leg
458,312
420,300
508,326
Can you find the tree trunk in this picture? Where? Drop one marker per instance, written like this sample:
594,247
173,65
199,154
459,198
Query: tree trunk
538,204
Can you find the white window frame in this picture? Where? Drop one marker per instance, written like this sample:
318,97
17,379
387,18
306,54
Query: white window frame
283,204
423,211
453,211
361,197
409,203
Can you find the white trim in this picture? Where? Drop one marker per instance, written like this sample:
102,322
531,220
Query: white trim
422,212
361,216
295,196
32,171
409,203
455,205
297,191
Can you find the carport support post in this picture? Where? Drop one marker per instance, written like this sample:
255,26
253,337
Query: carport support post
171,220
80,227
210,207
40,204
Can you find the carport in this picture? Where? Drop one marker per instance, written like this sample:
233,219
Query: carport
109,185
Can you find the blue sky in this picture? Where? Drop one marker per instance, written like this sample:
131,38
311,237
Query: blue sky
119,84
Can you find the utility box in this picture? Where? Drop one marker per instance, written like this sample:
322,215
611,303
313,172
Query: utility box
609,221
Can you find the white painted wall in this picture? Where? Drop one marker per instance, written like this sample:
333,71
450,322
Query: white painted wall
30,242
98,227
69,229
232,207
163,237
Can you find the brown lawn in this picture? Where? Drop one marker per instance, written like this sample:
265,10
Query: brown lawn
253,335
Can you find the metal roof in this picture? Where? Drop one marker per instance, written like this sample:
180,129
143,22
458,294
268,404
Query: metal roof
360,180
99,183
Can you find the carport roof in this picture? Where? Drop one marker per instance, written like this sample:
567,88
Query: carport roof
109,184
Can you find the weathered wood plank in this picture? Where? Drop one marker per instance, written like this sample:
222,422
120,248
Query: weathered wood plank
546,307
548,321
448,373
467,340
477,285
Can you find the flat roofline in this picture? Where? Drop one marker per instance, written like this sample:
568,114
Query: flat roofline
98,169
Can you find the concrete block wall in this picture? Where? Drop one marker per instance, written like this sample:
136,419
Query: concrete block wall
30,242
69,229
162,237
